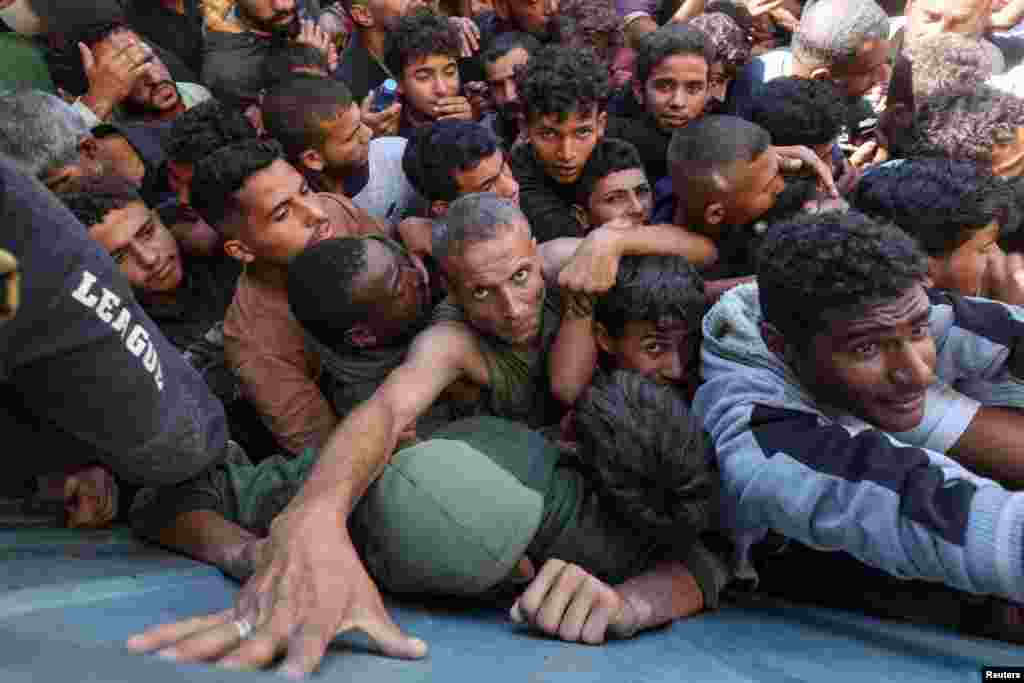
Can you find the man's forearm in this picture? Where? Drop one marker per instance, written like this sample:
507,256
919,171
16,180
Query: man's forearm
662,594
206,536
669,239
354,456
993,446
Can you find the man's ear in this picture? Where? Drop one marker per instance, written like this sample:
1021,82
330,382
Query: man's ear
774,340
821,73
581,217
638,90
238,250
714,213
360,14
603,339
438,208
936,268
88,147
502,9
312,160
1006,157
360,336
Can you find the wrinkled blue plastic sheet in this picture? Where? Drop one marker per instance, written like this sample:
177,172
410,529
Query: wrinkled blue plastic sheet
68,601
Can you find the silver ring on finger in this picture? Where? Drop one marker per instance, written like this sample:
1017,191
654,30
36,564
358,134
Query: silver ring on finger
244,627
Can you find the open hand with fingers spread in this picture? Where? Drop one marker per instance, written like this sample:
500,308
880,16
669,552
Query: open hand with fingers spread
300,596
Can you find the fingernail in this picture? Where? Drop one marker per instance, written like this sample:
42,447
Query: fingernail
168,654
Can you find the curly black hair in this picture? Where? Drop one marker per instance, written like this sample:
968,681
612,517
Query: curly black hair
947,63
737,11
220,175
91,198
941,203
652,289
418,35
435,153
649,456
668,41
320,288
728,42
588,23
965,125
299,112
610,155
204,129
800,111
562,81
815,265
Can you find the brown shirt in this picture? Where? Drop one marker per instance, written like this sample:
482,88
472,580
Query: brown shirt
266,347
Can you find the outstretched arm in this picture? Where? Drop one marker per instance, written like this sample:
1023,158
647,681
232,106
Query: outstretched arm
309,584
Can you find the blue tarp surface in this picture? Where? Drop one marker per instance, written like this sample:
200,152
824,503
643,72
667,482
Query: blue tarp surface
68,601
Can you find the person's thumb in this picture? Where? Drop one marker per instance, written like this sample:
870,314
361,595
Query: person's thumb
391,641
863,154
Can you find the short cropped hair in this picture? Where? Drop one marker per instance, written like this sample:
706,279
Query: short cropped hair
560,81
321,288
91,198
205,128
704,149
652,289
947,63
610,155
40,131
965,125
800,111
832,32
418,35
299,112
435,153
668,41
290,60
941,203
219,176
504,43
821,264
650,457
471,219
727,42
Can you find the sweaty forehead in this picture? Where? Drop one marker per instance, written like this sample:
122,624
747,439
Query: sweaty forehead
880,316
626,179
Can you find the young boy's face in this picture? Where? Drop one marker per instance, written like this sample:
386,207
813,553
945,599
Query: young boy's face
964,269
428,80
665,352
675,92
563,146
622,194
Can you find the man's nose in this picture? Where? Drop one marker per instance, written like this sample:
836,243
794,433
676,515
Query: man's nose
911,368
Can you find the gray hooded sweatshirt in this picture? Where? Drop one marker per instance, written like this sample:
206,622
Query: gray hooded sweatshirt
804,470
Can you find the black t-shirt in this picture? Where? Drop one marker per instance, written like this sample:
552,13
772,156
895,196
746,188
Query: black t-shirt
358,69
84,373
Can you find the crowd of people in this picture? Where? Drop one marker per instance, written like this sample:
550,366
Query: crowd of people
603,311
